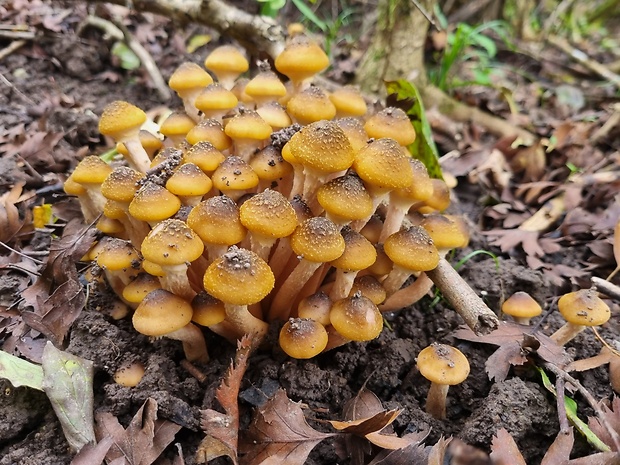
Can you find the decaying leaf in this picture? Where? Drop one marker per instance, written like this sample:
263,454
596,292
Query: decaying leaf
516,343
280,434
504,449
413,454
10,223
68,383
222,429
142,442
20,372
438,451
57,296
612,418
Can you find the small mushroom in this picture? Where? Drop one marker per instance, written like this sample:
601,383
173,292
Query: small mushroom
580,309
521,307
303,338
443,366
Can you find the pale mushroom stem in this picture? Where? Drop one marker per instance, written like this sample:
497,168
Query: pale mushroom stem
244,322
407,295
396,279
176,281
194,344
343,284
436,400
138,156
566,333
335,339
281,305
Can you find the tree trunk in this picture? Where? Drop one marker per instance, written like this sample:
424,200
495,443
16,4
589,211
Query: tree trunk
397,48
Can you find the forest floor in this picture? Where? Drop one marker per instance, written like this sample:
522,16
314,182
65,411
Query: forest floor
52,90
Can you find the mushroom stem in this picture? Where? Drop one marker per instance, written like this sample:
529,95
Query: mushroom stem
244,322
477,315
138,156
176,281
194,344
566,333
282,302
436,400
407,295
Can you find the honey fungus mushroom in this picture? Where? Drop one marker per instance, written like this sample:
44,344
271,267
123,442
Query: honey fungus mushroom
580,309
521,307
443,366
303,338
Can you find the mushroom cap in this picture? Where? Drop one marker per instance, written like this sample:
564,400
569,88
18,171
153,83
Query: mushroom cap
73,188
322,146
302,58
359,253
345,197
209,130
153,202
303,338
393,123
274,115
421,189
247,125
189,180
348,101
315,307
121,184
369,286
234,174
120,118
207,310
521,305
204,155
317,240
116,254
356,318
310,105
226,59
189,76
269,214
269,165
584,308
354,130
178,123
239,277
383,163
443,364
172,242
216,220
91,170
215,97
447,232
160,313
265,84
130,374
440,198
412,248
137,289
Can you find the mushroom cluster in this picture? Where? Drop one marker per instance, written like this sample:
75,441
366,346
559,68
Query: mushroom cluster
264,201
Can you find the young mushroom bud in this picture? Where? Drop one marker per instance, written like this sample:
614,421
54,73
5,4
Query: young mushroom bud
521,307
129,374
354,318
227,63
580,309
443,366
392,123
303,338
187,81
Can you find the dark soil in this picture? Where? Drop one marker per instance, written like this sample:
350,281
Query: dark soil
61,82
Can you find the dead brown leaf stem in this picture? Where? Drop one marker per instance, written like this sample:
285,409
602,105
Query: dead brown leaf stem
557,371
476,314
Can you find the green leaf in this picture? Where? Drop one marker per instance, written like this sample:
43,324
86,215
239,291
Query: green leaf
571,414
197,41
408,98
129,60
309,15
68,383
20,372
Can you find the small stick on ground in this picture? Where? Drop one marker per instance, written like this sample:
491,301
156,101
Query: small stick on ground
607,288
478,316
557,371
13,46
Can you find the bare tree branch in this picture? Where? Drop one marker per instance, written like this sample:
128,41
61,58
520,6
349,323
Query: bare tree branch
255,33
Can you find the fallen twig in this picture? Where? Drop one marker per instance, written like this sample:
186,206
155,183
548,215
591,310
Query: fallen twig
585,60
477,315
15,45
120,33
605,287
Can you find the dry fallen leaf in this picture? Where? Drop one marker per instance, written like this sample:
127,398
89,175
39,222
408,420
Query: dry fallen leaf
516,343
280,434
57,295
504,450
142,442
222,429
